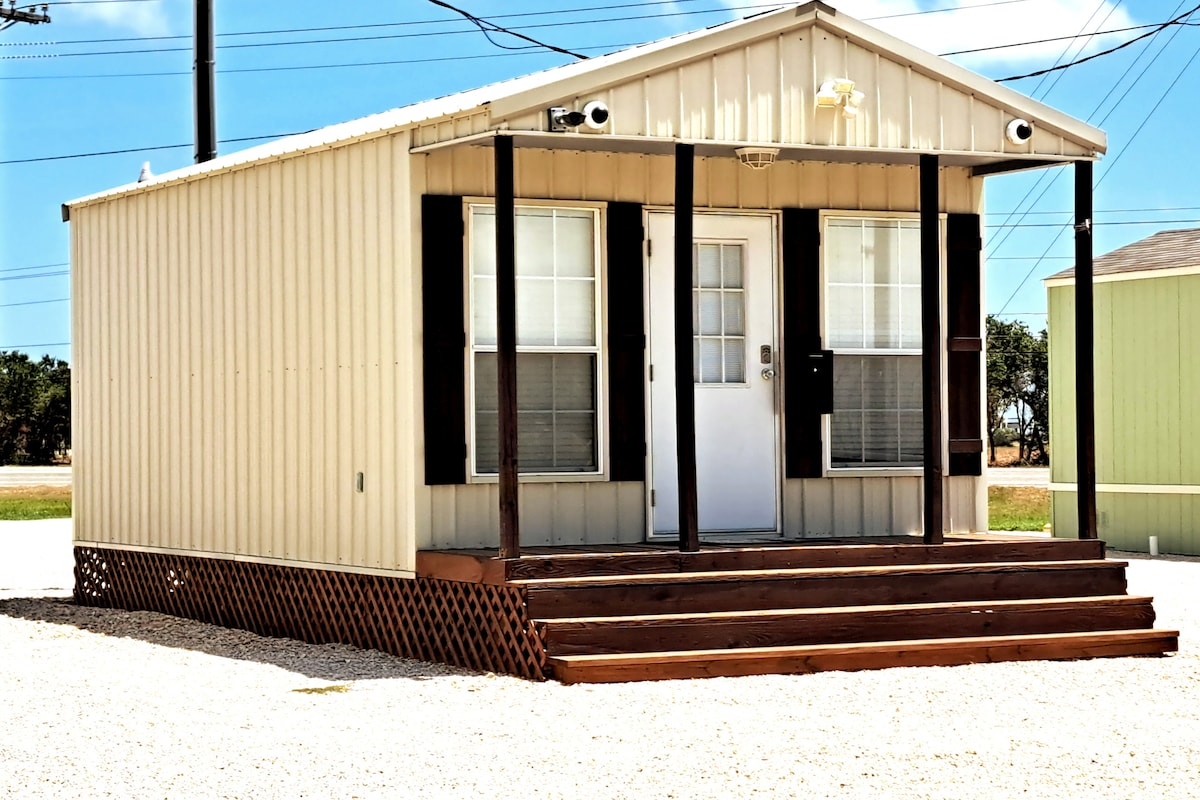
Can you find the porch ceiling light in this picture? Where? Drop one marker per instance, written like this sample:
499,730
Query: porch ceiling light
757,157
840,92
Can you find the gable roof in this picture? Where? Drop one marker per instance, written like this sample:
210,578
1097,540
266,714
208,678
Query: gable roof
532,93
1165,250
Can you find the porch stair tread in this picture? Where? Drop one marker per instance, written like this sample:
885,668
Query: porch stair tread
799,626
743,575
610,668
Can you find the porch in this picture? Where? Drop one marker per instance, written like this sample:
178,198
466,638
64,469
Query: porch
650,611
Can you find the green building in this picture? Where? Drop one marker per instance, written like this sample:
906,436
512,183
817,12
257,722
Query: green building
1147,346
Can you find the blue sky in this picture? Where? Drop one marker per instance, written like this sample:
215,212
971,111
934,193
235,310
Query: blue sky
95,80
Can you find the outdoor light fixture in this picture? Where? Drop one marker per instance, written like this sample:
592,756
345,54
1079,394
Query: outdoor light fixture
757,157
840,92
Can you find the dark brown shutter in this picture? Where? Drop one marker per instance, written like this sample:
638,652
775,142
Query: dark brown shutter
626,344
807,370
445,340
964,342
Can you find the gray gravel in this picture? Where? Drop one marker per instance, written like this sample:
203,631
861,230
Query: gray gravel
97,704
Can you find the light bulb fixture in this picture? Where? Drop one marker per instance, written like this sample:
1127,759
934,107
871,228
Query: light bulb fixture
757,157
840,92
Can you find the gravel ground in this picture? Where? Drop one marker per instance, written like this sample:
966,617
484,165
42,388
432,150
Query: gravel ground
98,704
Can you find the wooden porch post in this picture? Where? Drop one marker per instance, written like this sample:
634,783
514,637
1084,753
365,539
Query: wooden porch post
685,390
1085,369
506,346
931,346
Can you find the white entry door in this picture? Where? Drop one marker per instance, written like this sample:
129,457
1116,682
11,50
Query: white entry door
734,356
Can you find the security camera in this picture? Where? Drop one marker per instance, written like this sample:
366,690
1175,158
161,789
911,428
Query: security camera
1019,131
596,115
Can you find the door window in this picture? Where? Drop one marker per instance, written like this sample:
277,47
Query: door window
718,313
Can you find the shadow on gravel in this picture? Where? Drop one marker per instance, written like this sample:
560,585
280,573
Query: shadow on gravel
330,662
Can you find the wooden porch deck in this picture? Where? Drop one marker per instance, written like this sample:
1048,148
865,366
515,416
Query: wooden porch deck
647,611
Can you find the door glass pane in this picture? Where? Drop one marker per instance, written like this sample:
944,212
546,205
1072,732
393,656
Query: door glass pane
718,313
735,360
731,266
707,266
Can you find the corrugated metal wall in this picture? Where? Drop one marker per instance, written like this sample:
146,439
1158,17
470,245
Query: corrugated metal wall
766,92
1147,410
244,346
465,516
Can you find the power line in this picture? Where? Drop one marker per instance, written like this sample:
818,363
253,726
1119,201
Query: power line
147,149
35,302
39,275
488,28
1093,56
36,266
41,344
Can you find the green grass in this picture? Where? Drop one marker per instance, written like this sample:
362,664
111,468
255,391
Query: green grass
336,688
35,502
1018,508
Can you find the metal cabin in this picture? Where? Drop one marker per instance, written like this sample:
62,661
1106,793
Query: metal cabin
665,363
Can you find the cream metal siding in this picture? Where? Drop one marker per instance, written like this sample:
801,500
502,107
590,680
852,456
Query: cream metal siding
245,346
465,516
765,92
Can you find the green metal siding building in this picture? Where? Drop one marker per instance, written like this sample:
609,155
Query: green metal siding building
1147,350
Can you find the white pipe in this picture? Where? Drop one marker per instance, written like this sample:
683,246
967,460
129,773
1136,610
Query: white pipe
1153,545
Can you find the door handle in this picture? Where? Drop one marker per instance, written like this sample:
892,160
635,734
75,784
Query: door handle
768,374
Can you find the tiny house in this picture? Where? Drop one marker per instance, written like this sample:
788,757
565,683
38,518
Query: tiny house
1147,395
692,328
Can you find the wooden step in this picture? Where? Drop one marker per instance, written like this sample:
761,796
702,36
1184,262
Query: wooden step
746,590
807,626
843,657
810,556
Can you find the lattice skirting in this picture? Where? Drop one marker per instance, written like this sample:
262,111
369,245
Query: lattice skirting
473,625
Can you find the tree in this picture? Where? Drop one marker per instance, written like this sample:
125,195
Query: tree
1017,377
35,409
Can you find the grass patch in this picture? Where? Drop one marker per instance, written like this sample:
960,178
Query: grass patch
336,688
35,502
1018,508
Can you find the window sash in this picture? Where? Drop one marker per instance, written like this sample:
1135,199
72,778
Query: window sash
559,319
873,324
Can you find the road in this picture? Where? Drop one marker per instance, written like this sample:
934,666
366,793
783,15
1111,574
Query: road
1019,476
35,476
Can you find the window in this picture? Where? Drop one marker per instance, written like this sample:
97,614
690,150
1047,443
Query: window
558,353
873,325
718,313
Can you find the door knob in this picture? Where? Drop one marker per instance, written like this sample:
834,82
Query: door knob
768,373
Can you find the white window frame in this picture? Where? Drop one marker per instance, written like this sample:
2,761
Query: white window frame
829,470
599,349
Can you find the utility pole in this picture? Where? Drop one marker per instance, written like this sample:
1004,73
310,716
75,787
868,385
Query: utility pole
14,15
206,115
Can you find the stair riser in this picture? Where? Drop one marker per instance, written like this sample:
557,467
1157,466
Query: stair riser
807,556
840,628
821,592
948,656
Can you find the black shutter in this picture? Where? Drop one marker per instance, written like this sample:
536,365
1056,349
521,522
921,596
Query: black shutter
626,344
807,370
443,360
965,343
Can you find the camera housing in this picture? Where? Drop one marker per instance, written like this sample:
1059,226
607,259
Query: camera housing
1019,131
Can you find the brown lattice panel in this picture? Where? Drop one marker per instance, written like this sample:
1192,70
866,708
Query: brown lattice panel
474,625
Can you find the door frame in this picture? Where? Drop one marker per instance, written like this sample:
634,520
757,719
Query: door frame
776,277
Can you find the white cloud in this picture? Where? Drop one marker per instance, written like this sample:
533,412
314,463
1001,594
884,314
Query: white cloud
968,28
144,19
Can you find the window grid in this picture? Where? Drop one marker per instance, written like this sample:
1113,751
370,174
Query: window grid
729,294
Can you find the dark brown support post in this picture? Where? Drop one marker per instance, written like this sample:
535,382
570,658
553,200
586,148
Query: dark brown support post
506,346
202,69
1085,367
685,389
931,346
